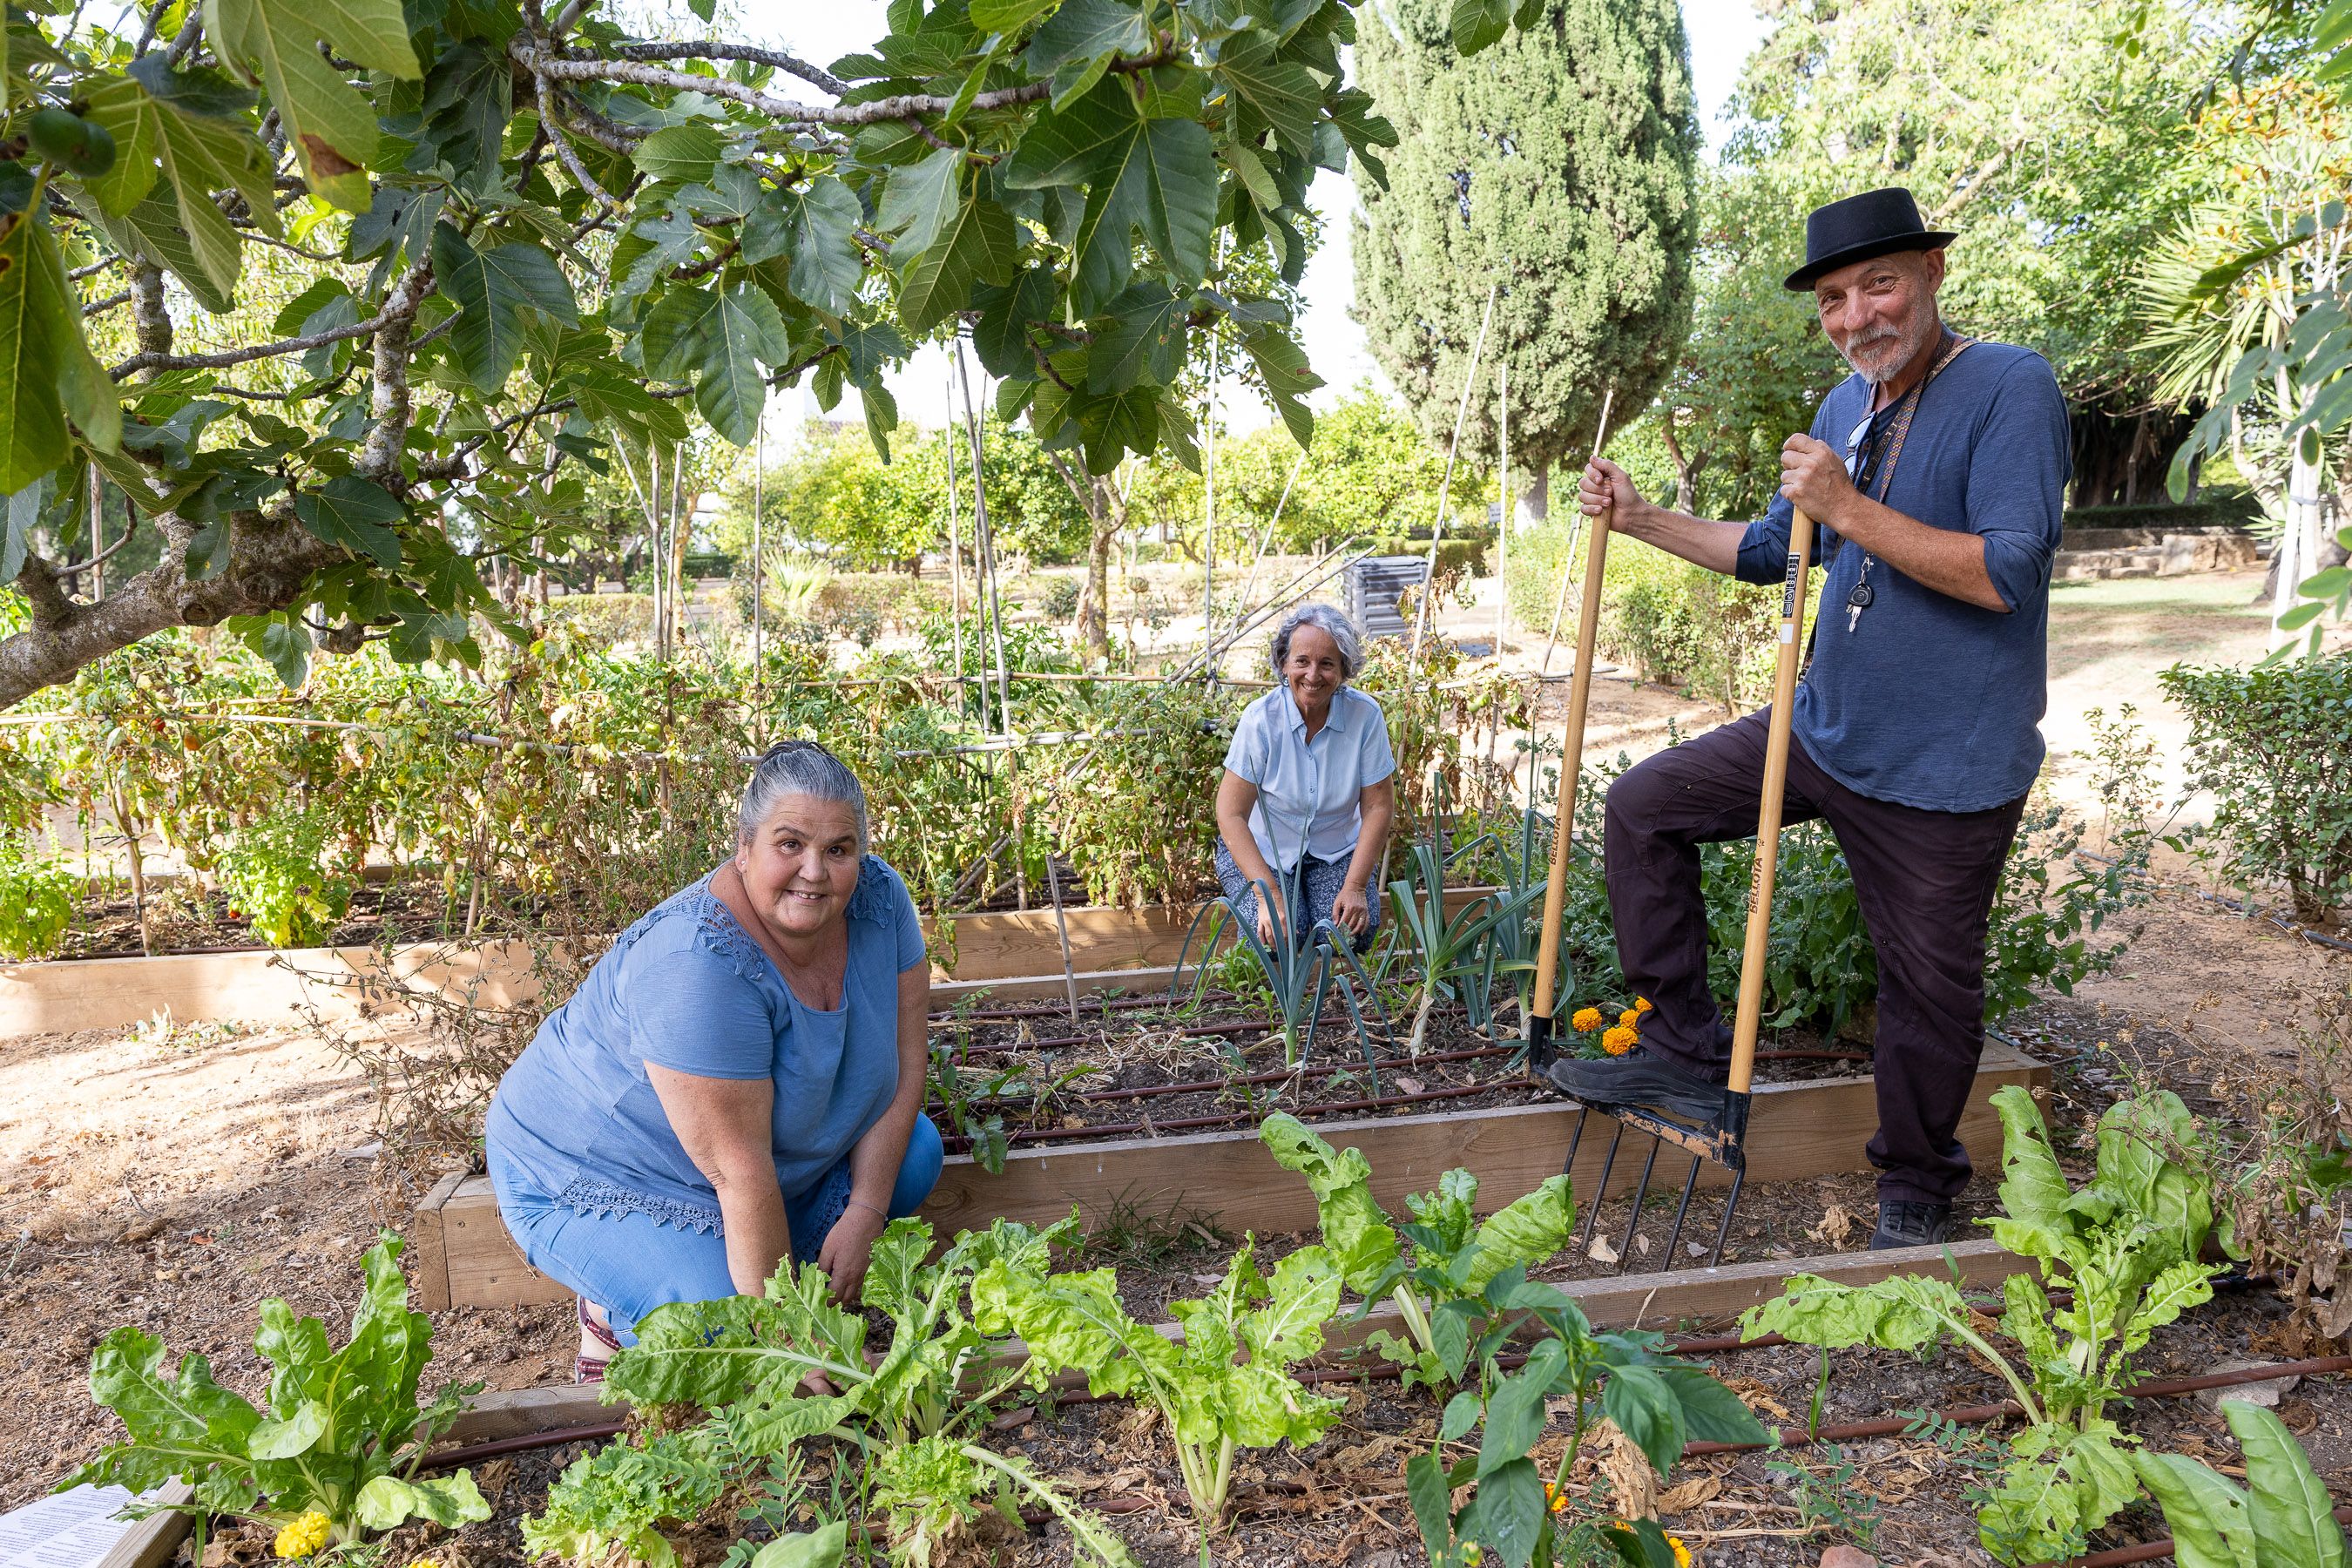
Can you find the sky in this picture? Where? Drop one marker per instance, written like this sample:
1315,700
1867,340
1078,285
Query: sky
1722,34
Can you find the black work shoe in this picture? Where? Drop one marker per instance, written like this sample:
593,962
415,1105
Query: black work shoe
1637,1078
1906,1223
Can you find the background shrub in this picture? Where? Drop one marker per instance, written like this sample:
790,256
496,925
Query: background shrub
37,901
2274,745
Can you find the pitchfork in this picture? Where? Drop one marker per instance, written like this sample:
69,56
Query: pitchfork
1723,1138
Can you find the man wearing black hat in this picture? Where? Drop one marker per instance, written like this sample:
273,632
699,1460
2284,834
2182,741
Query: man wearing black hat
1937,472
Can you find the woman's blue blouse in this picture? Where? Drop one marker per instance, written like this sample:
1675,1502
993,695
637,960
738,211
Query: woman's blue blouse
688,988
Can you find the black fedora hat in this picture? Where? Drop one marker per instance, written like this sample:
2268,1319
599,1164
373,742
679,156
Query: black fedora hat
1875,223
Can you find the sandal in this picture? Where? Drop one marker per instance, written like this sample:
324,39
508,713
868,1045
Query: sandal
591,1369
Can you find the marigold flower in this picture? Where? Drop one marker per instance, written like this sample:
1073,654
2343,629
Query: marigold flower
1642,1005
1682,1553
305,1536
1556,1498
1620,1040
1630,1019
1587,1019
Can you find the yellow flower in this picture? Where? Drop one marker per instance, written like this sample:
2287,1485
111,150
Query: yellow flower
1471,1554
1587,1019
1682,1553
1618,1040
1642,1005
1556,1498
305,1536
425,1562
1630,1019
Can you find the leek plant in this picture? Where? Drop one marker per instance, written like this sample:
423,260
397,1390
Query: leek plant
1298,969
1461,954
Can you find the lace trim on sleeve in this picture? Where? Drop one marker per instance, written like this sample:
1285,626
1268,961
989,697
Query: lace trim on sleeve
603,1200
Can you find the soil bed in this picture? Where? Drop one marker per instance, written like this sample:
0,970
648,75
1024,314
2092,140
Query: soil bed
1140,1072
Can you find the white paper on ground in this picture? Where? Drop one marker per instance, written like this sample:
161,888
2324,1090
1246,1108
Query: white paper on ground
65,1530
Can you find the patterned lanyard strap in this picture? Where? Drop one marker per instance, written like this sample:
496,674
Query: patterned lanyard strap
1858,599
1909,407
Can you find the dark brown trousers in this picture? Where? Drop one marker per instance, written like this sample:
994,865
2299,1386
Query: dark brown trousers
1925,880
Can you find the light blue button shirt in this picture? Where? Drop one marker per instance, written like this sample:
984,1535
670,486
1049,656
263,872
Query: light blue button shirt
1309,792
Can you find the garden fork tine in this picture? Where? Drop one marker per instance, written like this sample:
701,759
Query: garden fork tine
1724,1138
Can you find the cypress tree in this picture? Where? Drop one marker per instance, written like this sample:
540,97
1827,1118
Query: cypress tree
1560,162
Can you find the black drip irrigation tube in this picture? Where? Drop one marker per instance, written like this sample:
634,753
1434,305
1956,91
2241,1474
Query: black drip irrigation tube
957,1145
2288,926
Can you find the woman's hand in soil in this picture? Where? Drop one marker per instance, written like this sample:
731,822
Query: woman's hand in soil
1351,910
848,1250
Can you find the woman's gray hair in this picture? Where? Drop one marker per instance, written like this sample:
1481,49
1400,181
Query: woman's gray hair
797,767
1332,623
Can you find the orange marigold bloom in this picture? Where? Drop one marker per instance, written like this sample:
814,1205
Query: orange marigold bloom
1642,1005
1618,1040
1587,1019
1631,1018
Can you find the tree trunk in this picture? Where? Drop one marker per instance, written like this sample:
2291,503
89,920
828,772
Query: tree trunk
1533,503
1094,600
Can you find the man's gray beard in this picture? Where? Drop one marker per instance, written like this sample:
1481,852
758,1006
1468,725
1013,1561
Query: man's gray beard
1907,343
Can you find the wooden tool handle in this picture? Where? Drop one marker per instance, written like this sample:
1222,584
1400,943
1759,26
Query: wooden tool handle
1571,758
1767,816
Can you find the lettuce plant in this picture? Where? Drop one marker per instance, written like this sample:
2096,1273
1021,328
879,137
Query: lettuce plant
1658,1401
604,1507
340,1436
2126,1246
1439,1291
2284,1518
748,1359
1222,1389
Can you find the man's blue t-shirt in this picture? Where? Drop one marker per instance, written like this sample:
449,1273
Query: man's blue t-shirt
1929,701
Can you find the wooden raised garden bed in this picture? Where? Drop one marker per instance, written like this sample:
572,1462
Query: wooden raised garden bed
463,1256
1010,956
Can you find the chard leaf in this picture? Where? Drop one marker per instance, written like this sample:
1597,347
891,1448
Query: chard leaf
1527,1231
388,1502
1444,1220
2184,1285
2034,1190
1900,1313
2211,1525
182,1424
2139,1141
2294,1518
1355,1229
810,1549
275,1439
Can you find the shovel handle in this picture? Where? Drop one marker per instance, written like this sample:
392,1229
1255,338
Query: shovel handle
1767,816
1571,758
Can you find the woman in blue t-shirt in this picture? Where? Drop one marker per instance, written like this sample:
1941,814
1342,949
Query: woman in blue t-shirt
738,1080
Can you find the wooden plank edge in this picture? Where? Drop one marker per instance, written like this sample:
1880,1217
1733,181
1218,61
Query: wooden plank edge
153,1540
428,1244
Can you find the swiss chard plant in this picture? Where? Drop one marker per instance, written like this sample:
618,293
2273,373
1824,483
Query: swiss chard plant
2282,1518
2125,1248
1658,1401
790,1365
1438,1287
1225,1388
334,1450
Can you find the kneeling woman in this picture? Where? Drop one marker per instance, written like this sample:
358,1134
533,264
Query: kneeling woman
739,1078
1310,790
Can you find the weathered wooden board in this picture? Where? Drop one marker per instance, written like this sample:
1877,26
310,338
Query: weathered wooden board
1797,1129
1014,953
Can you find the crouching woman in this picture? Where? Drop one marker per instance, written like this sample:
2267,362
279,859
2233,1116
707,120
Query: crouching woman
1308,789
738,1080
